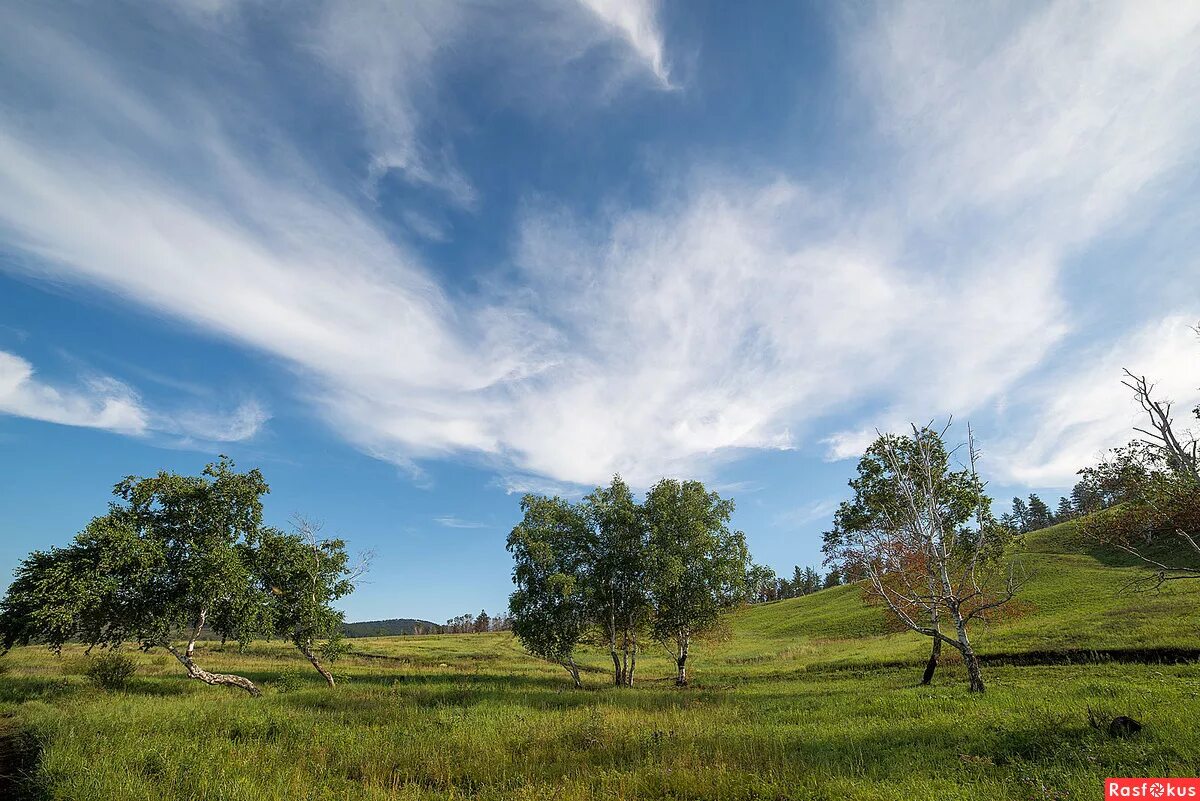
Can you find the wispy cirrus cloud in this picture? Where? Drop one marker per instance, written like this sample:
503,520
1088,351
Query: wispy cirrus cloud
103,402
97,402
1085,409
450,521
730,315
390,56
637,22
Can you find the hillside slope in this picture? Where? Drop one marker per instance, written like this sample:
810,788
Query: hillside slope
1077,597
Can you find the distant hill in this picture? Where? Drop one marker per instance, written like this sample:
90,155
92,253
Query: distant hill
389,628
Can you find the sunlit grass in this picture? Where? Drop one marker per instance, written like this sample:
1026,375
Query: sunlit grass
809,698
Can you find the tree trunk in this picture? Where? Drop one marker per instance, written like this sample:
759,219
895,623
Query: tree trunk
618,670
194,671
307,649
632,663
974,676
932,664
934,653
573,669
681,663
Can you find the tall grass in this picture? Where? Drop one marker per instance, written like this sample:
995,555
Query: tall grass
809,698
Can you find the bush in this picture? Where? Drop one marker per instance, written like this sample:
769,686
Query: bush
111,670
288,681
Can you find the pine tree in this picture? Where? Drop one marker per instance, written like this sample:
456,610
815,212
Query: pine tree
1038,515
1065,511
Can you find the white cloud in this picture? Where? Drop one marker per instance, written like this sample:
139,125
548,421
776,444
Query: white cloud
1070,107
243,423
104,402
808,513
1074,416
1020,141
98,403
636,20
391,55
386,53
450,521
738,315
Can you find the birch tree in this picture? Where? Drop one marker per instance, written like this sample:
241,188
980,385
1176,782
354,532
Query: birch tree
549,608
170,562
923,537
302,575
615,564
697,565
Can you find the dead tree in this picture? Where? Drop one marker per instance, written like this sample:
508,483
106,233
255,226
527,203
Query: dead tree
1166,501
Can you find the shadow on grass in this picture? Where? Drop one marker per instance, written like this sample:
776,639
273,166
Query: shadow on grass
20,758
19,689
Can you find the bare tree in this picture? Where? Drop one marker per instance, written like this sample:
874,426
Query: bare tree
1177,451
1165,501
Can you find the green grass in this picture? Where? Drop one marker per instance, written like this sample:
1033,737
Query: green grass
808,698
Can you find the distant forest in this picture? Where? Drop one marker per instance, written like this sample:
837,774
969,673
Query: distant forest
389,628
463,624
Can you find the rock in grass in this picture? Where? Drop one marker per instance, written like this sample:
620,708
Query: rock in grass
1122,726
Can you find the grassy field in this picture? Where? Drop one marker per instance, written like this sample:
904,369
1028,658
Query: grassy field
809,698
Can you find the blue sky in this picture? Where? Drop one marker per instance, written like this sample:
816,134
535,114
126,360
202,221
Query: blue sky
414,259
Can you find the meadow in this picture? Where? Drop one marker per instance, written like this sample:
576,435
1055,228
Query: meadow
814,697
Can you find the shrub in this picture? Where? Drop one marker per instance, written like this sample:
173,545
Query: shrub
111,670
288,681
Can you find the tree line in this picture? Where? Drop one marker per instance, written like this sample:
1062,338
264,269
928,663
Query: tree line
177,558
764,586
476,624
619,573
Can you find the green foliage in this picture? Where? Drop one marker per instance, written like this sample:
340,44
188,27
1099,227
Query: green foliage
288,681
549,609
111,670
172,554
334,648
956,501
615,565
1117,479
697,565
302,575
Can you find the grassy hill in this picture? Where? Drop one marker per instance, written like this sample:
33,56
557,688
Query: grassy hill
814,697
1078,598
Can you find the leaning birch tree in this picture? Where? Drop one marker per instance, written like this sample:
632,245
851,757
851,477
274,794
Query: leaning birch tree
922,537
302,575
549,607
168,564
